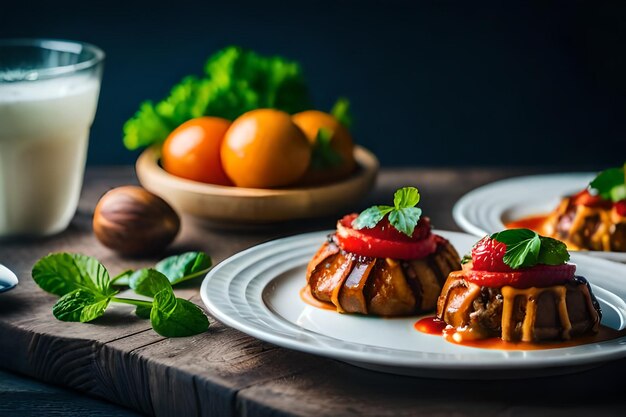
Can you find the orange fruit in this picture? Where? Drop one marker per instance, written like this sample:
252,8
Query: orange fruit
311,121
264,148
192,150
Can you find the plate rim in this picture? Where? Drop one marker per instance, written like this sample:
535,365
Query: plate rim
618,350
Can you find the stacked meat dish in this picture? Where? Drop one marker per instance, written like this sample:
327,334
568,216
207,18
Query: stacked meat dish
380,270
590,222
516,285
488,298
385,261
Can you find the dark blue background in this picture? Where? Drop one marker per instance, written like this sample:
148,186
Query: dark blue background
431,83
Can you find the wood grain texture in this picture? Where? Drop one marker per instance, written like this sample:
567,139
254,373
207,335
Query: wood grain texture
25,397
225,372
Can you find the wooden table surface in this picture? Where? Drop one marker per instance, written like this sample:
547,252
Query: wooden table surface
224,372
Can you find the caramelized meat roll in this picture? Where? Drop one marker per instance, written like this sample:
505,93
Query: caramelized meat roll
379,286
594,228
529,315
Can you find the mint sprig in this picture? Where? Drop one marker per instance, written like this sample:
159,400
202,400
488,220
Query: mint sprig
403,215
177,268
610,184
525,248
85,289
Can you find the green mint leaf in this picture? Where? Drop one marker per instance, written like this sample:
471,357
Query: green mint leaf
370,217
149,281
175,317
62,273
80,305
341,111
525,248
185,266
606,181
618,193
323,154
406,197
123,278
177,268
466,258
553,252
403,216
405,219
143,312
522,247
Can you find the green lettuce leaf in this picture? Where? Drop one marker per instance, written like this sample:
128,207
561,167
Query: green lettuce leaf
236,80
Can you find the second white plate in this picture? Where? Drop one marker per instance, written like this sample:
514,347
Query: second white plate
485,210
257,292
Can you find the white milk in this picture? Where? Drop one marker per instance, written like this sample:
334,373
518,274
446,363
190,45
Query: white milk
44,128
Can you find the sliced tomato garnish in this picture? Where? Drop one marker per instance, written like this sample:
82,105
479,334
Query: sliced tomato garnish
584,198
384,241
620,207
535,276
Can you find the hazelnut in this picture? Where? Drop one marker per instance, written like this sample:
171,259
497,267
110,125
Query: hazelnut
134,221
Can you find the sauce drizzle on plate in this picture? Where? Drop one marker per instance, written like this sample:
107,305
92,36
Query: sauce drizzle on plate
432,325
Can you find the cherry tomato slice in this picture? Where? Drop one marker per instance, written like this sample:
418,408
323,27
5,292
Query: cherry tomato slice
536,276
620,207
584,198
378,244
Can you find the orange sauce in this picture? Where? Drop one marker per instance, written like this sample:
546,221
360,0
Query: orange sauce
531,222
307,297
432,325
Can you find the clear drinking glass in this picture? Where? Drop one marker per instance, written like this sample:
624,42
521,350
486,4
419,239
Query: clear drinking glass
48,97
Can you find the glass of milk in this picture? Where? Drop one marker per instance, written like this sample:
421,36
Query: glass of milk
48,97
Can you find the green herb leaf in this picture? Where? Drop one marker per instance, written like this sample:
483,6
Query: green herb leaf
123,278
341,111
323,155
466,258
522,247
149,281
143,312
405,219
175,317
80,305
185,266
553,252
62,273
610,184
403,216
618,193
370,217
406,197
525,248
177,268
146,127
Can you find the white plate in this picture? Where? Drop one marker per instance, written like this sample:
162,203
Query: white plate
485,210
257,292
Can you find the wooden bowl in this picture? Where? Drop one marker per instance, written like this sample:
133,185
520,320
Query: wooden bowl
256,205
